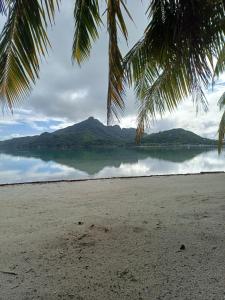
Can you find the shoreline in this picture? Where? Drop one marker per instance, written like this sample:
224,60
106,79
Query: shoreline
39,182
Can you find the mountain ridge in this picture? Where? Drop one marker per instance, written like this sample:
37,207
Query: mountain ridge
91,132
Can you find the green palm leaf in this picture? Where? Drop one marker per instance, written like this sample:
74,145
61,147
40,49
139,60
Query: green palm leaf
87,20
22,42
50,7
221,101
174,59
116,79
220,64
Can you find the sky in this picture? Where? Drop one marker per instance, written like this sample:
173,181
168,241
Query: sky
66,93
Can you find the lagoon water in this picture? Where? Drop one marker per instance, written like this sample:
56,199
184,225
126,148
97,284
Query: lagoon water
101,163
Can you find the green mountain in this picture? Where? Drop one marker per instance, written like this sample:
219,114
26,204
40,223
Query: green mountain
92,132
177,136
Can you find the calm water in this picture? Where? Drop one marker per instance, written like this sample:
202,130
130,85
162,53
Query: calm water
35,166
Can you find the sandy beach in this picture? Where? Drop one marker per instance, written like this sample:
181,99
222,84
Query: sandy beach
143,238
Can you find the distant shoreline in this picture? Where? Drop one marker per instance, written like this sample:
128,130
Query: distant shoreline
177,146
125,146
39,182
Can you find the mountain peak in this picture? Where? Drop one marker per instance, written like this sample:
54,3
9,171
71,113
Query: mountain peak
91,118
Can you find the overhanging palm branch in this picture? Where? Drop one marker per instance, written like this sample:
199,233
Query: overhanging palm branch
87,20
22,42
116,71
49,6
174,59
220,63
159,88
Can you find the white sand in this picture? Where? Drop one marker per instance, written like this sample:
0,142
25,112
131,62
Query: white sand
128,246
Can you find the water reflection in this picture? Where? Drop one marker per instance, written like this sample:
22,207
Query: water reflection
79,164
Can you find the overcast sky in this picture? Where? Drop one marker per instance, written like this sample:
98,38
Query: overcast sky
67,94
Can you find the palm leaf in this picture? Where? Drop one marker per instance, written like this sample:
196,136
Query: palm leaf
50,7
221,101
159,94
220,63
160,90
174,59
87,20
22,42
116,81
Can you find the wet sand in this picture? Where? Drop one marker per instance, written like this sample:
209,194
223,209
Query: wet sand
143,238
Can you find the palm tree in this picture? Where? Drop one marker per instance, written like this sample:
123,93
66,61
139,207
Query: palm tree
174,59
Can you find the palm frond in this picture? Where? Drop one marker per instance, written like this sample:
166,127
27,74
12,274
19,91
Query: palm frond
22,42
116,82
174,58
87,20
221,101
220,63
164,94
50,7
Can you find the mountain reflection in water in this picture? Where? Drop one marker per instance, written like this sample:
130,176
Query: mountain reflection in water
94,163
